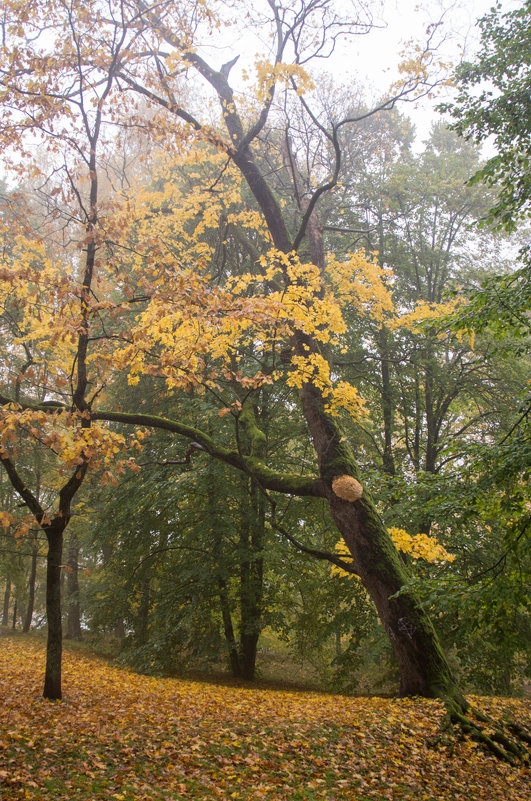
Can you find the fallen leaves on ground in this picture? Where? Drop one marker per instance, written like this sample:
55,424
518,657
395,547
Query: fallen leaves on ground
118,735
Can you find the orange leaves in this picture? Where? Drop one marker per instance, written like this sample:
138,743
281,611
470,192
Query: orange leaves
13,419
118,734
21,526
5,519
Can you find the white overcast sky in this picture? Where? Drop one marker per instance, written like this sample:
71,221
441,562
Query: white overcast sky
374,58
371,60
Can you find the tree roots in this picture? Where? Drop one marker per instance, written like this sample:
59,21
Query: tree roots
507,741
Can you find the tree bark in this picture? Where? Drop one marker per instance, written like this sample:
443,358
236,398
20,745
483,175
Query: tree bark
73,619
228,629
421,661
31,590
7,596
52,676
251,579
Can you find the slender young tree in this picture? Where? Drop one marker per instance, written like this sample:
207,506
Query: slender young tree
55,95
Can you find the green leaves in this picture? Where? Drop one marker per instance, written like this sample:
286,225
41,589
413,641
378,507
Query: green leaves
494,100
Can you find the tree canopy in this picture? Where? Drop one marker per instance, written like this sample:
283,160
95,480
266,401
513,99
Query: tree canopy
176,233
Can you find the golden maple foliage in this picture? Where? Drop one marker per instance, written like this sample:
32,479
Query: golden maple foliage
202,329
119,735
158,242
417,546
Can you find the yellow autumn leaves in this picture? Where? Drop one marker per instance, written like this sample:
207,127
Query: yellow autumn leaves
160,241
202,330
268,75
418,546
64,434
123,735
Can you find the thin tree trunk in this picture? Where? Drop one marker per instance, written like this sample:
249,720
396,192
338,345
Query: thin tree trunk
251,592
218,560
31,590
432,432
14,624
7,596
142,619
73,619
431,423
418,425
387,405
228,629
252,535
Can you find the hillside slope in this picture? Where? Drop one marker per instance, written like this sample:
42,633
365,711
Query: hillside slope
118,735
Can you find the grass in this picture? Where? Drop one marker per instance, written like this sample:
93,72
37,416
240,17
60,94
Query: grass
118,735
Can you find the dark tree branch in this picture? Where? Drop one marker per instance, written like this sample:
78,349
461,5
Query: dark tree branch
318,554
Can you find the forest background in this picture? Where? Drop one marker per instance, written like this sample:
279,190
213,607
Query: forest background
150,321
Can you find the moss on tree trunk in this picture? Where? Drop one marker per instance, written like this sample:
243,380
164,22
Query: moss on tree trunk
422,664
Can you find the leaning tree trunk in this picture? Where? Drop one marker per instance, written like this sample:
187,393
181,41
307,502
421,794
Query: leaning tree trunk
423,667
422,664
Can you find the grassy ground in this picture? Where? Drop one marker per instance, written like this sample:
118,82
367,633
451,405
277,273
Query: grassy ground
118,735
